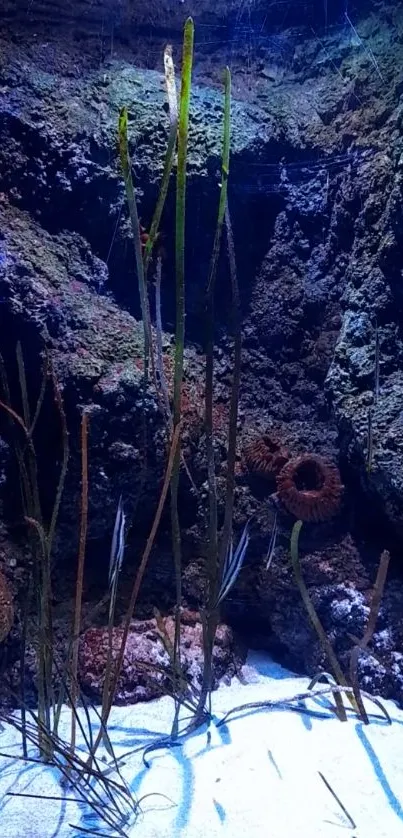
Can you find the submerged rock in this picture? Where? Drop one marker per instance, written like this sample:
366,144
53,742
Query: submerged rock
146,664
6,608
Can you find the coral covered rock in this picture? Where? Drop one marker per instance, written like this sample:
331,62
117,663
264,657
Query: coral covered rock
145,668
6,608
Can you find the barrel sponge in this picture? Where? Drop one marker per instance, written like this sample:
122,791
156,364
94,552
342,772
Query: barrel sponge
264,456
310,488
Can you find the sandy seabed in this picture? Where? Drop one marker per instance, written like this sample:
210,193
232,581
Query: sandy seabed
257,776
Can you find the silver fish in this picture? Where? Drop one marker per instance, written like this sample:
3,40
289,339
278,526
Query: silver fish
233,563
118,544
272,543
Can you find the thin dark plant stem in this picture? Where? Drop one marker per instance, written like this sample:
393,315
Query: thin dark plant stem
235,389
42,391
372,619
80,572
159,353
136,588
41,538
23,385
24,634
45,650
136,231
65,456
210,616
314,618
148,354
169,72
292,703
337,799
183,132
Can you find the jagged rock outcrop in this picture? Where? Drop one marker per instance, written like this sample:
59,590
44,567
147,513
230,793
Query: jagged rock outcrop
146,665
315,197
88,16
6,608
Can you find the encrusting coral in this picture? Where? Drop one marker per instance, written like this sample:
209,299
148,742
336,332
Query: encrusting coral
310,488
6,608
146,666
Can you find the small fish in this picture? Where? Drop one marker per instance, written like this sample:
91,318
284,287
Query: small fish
118,544
233,563
272,543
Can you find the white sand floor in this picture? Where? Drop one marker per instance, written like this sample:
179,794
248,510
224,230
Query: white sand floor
257,776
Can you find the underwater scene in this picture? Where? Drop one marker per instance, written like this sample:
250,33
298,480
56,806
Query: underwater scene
201,418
